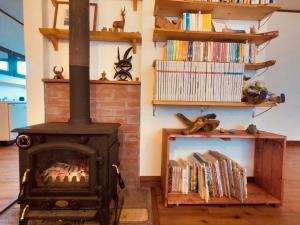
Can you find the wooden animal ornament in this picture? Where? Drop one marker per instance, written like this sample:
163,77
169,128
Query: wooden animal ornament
202,123
58,73
119,25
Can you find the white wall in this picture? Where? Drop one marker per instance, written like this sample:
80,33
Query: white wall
284,76
41,58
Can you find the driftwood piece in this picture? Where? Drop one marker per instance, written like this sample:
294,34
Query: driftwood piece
161,22
202,123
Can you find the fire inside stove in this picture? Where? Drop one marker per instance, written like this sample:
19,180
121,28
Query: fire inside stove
69,170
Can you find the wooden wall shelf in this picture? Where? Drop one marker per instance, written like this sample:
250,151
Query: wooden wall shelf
267,185
219,10
169,34
47,80
212,104
250,66
54,35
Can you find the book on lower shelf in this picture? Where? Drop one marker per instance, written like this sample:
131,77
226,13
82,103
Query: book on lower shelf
211,174
198,81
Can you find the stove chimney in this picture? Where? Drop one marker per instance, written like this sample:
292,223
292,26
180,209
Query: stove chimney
79,48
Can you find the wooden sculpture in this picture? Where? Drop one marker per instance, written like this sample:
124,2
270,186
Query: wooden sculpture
202,123
103,76
123,66
161,22
119,25
58,73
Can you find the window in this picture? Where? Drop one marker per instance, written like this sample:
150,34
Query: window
21,67
12,63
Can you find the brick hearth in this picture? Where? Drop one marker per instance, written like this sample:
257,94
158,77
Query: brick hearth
110,102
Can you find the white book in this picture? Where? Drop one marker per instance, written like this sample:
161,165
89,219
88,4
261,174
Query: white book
208,82
199,21
162,78
157,71
226,87
204,81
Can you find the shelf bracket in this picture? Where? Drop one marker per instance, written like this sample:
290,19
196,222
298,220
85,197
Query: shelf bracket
261,113
134,5
133,42
154,110
54,42
54,3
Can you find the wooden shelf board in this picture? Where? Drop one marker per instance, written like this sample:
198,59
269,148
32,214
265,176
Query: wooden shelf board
240,134
46,80
256,195
213,104
59,34
160,34
219,10
258,66
248,66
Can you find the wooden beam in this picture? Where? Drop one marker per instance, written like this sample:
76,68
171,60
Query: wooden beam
12,17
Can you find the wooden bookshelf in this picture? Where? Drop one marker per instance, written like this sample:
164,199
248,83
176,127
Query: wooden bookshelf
267,185
160,34
54,35
212,104
250,66
219,10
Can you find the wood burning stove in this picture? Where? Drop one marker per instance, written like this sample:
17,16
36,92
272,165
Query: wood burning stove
69,171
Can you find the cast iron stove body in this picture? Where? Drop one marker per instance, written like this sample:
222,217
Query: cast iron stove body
68,172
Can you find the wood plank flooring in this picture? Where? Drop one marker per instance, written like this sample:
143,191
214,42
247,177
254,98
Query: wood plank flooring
288,214
9,175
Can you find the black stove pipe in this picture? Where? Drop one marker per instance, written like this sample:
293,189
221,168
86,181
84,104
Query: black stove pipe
79,49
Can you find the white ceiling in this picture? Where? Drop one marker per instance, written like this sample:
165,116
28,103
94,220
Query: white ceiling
290,4
13,7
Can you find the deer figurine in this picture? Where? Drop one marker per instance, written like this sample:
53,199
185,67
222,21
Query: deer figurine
121,23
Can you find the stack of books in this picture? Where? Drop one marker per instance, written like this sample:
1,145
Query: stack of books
198,81
211,174
196,22
210,51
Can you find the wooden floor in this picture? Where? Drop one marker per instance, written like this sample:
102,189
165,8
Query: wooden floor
9,176
288,214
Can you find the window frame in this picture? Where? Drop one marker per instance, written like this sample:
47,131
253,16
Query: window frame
13,58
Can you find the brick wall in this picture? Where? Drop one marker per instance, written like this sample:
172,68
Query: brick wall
109,103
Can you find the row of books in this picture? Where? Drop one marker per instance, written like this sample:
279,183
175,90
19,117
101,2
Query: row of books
198,81
244,1
211,174
196,22
210,51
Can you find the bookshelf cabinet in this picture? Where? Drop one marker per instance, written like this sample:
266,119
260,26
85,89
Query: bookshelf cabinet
219,10
266,187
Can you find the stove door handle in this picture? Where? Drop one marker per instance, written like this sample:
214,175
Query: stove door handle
119,177
22,188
